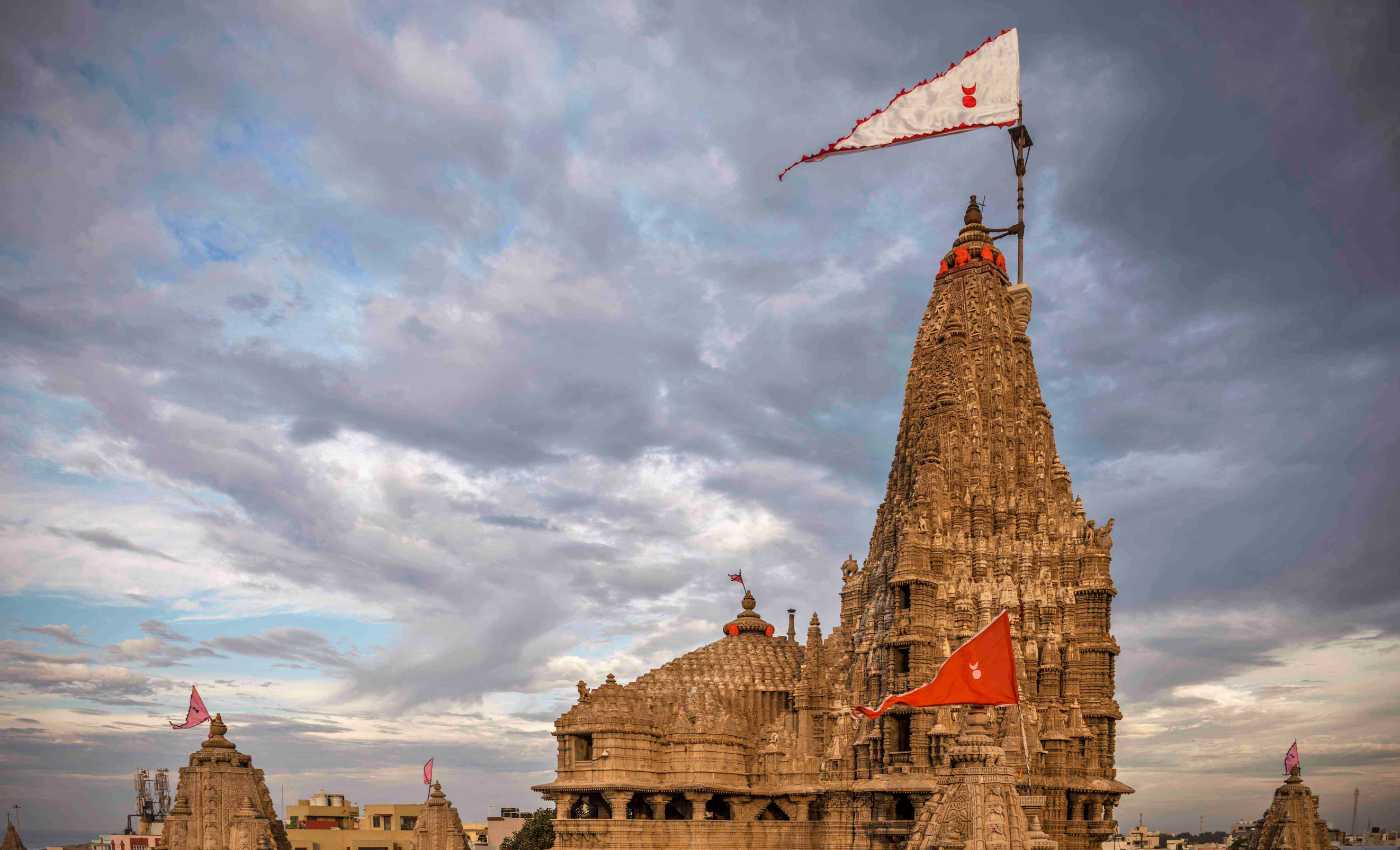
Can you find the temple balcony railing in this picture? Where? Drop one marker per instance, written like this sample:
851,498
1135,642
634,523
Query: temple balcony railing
899,757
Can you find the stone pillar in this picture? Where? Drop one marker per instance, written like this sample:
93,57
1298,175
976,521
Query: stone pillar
563,805
698,799
658,802
617,803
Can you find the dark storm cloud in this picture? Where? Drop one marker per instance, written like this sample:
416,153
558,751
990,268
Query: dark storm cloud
574,274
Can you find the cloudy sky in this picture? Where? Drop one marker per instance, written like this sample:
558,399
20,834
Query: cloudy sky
385,368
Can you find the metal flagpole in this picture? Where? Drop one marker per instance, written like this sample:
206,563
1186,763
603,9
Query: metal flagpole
1020,154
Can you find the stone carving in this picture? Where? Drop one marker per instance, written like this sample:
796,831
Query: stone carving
751,736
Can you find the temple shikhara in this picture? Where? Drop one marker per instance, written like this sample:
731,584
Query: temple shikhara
750,742
1292,821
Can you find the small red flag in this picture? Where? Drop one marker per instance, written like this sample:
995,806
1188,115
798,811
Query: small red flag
1290,759
196,714
980,672
739,577
428,772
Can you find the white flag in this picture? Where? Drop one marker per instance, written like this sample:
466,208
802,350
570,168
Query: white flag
983,90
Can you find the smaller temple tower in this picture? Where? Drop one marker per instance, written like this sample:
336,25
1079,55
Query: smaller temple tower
1292,821
439,826
222,802
12,840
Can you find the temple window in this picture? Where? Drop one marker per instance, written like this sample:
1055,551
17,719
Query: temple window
903,732
901,659
407,822
903,807
717,808
583,748
905,597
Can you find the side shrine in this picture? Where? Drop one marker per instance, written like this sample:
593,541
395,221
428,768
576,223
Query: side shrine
749,741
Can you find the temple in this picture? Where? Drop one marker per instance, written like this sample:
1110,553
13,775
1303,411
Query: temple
1292,821
749,741
222,802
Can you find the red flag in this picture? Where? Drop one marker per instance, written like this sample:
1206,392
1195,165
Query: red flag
428,772
739,577
980,672
1290,759
196,714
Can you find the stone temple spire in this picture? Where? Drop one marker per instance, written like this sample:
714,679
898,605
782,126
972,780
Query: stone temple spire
1292,821
439,826
12,840
979,806
222,801
979,516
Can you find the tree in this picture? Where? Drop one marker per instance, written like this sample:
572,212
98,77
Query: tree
536,834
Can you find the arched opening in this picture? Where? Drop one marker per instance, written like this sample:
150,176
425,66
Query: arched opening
678,808
772,812
903,807
717,808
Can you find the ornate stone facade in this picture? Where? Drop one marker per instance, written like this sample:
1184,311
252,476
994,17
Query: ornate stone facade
222,802
749,742
1292,821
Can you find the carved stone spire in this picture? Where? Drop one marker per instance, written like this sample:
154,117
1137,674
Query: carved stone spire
222,801
439,826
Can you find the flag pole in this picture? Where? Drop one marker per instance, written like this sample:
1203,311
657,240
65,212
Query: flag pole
1020,153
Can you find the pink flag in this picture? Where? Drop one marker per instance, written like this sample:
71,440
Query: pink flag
196,714
428,772
1290,760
